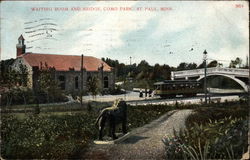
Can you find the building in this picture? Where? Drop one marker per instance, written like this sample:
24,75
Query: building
67,68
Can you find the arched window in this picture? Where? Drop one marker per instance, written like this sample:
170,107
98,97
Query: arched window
76,82
106,82
62,82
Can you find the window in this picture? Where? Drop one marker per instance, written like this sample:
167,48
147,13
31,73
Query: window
76,83
61,82
106,82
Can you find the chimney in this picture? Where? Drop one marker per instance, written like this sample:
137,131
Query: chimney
20,47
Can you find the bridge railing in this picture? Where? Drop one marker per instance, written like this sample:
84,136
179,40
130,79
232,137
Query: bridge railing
198,72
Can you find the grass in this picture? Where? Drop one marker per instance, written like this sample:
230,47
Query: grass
203,115
61,134
212,132
64,132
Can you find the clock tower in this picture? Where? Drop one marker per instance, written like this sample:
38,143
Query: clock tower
20,47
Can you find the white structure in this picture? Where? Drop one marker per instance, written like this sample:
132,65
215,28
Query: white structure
233,73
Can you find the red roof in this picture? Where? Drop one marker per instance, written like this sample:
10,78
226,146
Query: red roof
65,62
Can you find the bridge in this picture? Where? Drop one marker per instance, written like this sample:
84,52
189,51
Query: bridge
241,76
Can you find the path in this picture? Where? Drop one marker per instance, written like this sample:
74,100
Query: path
144,142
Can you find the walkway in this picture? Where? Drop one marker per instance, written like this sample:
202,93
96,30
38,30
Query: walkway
144,142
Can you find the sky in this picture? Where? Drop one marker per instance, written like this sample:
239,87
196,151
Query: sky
160,32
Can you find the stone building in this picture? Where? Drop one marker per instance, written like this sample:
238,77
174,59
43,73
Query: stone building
67,68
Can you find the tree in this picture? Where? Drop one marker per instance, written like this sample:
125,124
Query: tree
213,63
182,66
232,64
202,65
143,66
23,75
12,78
47,84
192,66
160,72
185,66
93,86
13,83
238,61
235,62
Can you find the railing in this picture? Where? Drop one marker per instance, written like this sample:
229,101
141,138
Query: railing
198,72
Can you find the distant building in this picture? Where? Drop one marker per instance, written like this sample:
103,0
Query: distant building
67,68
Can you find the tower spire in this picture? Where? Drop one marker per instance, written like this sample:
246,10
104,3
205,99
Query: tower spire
20,47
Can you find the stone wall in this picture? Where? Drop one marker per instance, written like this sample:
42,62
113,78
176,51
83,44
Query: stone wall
70,80
69,77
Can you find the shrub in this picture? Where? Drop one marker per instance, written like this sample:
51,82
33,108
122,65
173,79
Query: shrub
222,139
23,95
46,137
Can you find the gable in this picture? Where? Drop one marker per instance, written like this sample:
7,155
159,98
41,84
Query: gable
16,64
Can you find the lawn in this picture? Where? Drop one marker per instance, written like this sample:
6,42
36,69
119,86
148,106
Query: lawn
63,134
67,133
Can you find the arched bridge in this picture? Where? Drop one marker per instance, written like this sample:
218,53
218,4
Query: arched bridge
240,76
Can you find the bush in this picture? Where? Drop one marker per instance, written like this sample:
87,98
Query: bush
61,136
222,138
203,114
140,115
46,137
23,95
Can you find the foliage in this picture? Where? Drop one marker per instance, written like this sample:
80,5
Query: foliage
223,139
67,135
61,136
202,65
140,71
11,77
219,133
217,112
93,85
173,147
234,63
6,77
213,63
47,84
24,95
46,136
46,89
140,115
185,66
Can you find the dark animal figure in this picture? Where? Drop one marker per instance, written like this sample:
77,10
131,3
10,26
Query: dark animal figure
113,116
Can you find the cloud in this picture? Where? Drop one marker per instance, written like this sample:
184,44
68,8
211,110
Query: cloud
216,26
104,30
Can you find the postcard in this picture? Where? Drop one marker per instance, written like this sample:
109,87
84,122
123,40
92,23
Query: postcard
124,79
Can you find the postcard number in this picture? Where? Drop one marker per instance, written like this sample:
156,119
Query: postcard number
239,5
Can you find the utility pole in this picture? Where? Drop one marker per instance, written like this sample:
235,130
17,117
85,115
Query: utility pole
81,92
205,72
102,67
130,69
247,64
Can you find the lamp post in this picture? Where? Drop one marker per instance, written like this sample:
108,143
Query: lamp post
205,72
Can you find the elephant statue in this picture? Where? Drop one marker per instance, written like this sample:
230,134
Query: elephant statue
113,115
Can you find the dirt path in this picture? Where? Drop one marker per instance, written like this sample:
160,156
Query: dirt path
144,142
